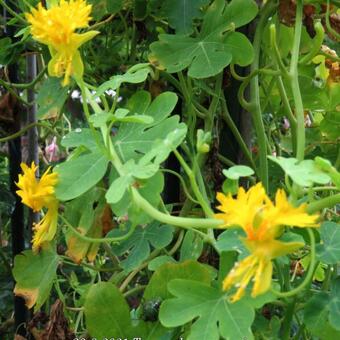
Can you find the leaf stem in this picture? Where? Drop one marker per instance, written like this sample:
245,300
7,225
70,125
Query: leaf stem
294,82
26,128
206,208
184,222
309,274
326,202
98,240
255,95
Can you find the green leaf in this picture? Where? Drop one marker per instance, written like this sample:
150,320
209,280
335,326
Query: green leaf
51,98
303,173
85,213
131,171
192,246
329,250
240,47
100,119
98,8
230,240
159,261
330,125
78,175
114,6
334,305
134,75
208,309
230,186
34,275
80,137
180,13
213,49
139,102
237,171
191,270
326,166
107,313
118,188
150,189
151,142
322,311
227,261
138,244
316,312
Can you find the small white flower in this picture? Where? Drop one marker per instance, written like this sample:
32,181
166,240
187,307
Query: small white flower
75,94
111,92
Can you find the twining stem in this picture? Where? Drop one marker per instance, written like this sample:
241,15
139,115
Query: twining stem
27,85
206,208
26,128
97,240
255,95
328,24
316,43
309,274
294,81
229,121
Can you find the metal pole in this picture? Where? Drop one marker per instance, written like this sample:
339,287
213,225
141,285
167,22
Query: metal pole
17,217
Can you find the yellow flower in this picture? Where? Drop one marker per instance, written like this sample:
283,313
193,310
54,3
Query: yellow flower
263,222
45,230
56,28
37,194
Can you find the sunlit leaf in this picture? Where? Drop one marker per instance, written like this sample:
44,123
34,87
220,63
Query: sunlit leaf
304,173
78,175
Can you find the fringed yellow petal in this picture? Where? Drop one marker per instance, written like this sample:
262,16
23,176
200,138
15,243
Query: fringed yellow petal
33,192
45,230
263,277
56,27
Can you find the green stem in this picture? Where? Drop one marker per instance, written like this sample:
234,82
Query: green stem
23,130
225,160
328,276
309,275
28,85
327,202
203,203
276,52
229,121
129,278
98,240
315,44
294,81
184,222
134,290
185,189
13,12
286,324
255,95
328,24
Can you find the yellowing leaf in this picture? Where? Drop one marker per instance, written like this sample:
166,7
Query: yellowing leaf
34,275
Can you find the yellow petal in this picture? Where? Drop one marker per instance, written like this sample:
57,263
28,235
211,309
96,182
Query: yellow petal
45,230
80,39
263,278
